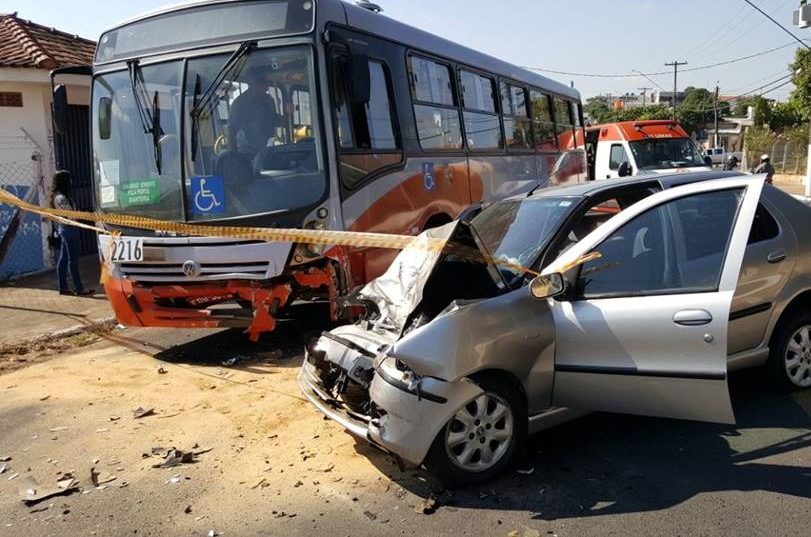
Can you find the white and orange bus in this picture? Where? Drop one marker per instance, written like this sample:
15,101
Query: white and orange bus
316,114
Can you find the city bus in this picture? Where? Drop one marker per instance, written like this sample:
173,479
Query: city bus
300,114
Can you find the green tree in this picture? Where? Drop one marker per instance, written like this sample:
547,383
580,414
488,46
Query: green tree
696,108
801,95
763,112
785,115
598,110
759,139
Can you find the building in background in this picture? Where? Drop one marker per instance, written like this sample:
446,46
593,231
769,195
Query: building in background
28,53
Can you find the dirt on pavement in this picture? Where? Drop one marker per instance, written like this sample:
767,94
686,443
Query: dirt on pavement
273,461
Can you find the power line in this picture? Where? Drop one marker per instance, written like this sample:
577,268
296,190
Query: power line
728,28
660,73
743,34
789,32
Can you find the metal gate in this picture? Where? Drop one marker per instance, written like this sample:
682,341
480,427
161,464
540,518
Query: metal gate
72,150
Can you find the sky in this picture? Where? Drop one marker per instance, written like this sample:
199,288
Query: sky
608,37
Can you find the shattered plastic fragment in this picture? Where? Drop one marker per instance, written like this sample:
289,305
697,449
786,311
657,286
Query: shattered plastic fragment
427,506
142,412
526,472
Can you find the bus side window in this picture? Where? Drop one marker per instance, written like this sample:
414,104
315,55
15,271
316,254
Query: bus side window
435,107
366,132
517,128
564,124
482,125
542,125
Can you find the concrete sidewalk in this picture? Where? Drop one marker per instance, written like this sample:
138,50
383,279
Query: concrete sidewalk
31,308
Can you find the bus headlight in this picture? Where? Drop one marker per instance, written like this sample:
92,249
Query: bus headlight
310,251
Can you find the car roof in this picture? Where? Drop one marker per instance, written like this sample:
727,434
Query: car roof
593,188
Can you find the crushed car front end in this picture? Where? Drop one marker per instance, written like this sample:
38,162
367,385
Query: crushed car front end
375,397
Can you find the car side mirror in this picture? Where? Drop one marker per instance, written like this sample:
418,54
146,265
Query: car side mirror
625,169
708,161
548,286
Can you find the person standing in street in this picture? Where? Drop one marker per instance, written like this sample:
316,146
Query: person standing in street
730,163
766,167
68,262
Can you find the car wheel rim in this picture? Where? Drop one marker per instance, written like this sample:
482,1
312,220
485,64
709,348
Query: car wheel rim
480,433
798,357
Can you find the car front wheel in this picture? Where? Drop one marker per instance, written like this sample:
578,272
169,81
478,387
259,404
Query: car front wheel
480,439
790,355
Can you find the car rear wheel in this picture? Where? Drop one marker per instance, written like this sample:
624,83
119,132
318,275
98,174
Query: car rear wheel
790,354
478,442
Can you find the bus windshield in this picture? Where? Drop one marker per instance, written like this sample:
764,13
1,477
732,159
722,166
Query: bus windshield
666,153
250,137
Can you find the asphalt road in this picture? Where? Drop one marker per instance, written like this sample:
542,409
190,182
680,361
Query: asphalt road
600,475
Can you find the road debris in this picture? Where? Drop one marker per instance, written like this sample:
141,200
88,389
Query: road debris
142,412
5,459
58,429
427,507
213,533
528,471
173,457
13,477
97,479
231,362
32,494
162,371
2,468
45,398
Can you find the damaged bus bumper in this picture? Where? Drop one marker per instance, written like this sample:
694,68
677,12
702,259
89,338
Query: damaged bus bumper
371,395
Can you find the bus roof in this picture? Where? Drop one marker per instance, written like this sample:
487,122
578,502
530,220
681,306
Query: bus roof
378,24
632,131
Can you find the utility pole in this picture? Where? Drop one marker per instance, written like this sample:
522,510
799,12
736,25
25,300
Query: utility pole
715,109
644,95
675,65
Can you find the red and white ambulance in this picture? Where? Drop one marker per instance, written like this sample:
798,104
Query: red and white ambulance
638,147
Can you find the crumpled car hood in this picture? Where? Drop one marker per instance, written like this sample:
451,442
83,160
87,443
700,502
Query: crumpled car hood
399,291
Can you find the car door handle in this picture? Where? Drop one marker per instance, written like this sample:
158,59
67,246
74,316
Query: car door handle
776,256
692,317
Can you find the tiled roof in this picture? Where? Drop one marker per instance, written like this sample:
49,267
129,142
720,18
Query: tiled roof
27,44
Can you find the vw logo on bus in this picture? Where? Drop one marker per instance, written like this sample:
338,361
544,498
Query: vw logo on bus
192,269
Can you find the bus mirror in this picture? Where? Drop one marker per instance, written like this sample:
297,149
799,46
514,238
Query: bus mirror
361,81
60,108
105,117
625,170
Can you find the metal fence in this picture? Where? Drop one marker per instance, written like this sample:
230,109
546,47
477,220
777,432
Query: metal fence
23,236
787,158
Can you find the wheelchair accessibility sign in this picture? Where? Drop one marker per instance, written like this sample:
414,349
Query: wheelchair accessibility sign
208,195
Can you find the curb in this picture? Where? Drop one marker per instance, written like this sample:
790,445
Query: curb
105,322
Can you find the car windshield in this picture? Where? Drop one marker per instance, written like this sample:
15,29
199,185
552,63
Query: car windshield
517,231
666,153
250,137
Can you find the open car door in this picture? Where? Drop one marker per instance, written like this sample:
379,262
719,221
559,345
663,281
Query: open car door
643,329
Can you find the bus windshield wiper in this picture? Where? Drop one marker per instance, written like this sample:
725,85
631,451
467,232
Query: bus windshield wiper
140,95
150,120
201,101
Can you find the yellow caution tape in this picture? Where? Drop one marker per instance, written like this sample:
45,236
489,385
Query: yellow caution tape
301,236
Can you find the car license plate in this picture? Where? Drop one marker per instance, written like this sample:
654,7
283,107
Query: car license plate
127,250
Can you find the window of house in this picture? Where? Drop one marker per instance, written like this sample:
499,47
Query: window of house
11,99
482,125
517,125
438,121
542,125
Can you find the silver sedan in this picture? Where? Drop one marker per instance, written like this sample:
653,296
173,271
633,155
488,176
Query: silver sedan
651,291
